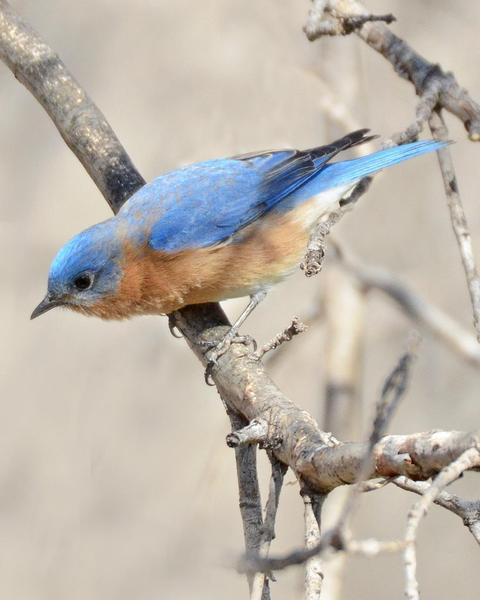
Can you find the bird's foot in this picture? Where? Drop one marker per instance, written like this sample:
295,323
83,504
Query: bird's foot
217,350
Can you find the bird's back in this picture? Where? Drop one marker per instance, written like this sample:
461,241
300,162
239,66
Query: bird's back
209,202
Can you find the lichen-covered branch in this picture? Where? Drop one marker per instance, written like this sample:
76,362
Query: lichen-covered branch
418,456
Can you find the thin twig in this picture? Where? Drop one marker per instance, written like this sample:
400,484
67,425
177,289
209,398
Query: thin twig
317,244
313,567
468,460
436,90
425,315
295,328
342,25
467,510
373,485
393,389
458,217
373,547
316,248
249,495
261,584
431,83
254,433
344,302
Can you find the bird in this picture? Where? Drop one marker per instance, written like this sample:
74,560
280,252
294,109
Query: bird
213,230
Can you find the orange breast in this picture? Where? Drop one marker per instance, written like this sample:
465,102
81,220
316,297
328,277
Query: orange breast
159,282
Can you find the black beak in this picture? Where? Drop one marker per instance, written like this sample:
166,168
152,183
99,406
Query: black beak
45,305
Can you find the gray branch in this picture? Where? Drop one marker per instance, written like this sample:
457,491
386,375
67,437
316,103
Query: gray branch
428,316
435,87
81,124
467,510
249,500
458,217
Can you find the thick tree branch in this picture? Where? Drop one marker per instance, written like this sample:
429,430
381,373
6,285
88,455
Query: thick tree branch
81,124
393,390
419,456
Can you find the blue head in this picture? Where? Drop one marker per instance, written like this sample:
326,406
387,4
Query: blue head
85,271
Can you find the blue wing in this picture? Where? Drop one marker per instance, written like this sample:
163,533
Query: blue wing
206,203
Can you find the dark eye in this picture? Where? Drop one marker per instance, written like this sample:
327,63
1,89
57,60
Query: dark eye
83,281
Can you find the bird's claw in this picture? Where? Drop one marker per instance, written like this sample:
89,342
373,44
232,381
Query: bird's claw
208,373
173,327
247,340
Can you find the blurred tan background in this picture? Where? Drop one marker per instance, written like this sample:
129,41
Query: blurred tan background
115,481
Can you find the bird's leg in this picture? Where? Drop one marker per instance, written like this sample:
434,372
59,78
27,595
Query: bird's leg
231,335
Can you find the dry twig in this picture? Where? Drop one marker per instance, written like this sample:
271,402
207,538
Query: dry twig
313,567
373,547
261,580
316,249
317,244
249,497
467,510
467,460
426,315
255,432
436,90
393,389
344,301
295,328
458,217
342,25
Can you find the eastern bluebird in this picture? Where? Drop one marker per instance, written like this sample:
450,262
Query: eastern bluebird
210,231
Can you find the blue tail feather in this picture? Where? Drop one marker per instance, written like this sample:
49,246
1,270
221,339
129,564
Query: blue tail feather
348,171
